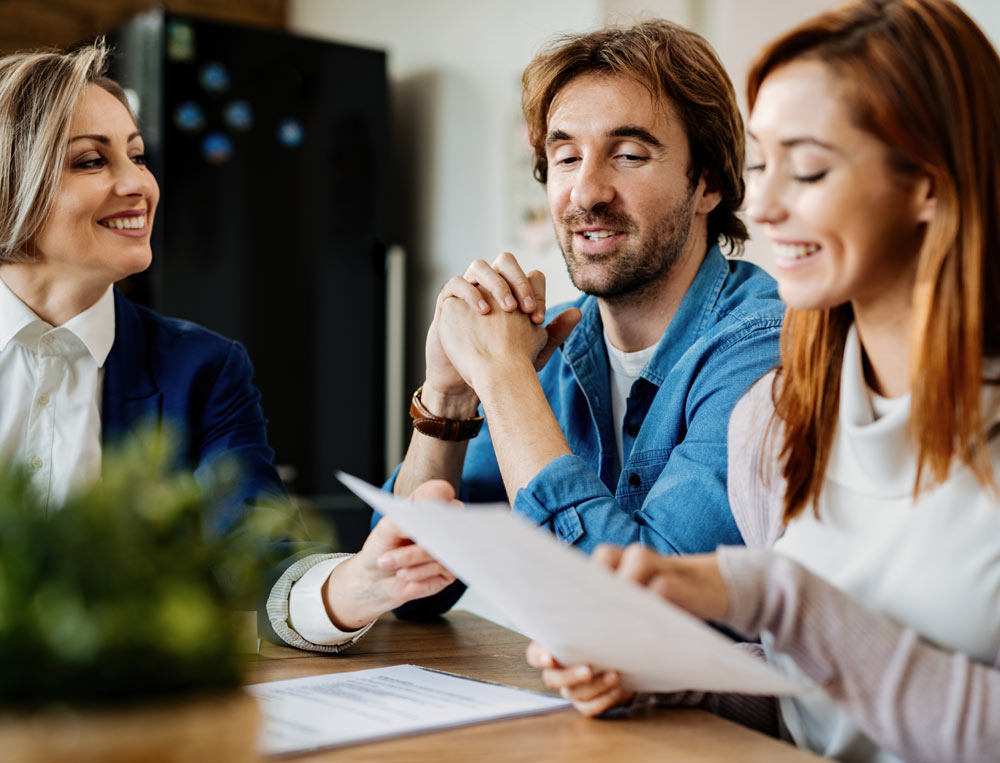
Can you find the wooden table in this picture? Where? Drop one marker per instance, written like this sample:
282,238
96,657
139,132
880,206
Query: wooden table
464,643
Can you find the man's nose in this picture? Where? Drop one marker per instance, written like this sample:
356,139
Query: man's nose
594,185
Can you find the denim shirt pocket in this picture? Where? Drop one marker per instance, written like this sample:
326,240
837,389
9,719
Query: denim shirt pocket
639,476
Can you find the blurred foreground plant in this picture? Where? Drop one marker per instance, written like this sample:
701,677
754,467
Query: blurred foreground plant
126,591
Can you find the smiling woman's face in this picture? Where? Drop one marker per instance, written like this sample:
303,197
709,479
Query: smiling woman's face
845,226
99,226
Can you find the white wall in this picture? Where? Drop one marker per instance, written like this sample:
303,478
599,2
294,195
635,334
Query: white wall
987,14
738,30
461,173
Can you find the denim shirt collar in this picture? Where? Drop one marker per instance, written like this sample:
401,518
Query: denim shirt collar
689,323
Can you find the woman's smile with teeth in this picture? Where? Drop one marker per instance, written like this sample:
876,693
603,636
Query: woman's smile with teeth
793,251
123,223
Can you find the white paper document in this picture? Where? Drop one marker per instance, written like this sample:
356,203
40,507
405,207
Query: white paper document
579,611
303,714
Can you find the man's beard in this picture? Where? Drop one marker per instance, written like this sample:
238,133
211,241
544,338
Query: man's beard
640,265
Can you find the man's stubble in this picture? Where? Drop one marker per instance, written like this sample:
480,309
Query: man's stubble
629,272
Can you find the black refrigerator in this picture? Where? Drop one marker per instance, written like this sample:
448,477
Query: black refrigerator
271,151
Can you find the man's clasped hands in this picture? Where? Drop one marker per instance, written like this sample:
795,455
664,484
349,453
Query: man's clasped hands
491,316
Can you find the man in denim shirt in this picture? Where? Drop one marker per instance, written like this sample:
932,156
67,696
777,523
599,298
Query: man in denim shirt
621,436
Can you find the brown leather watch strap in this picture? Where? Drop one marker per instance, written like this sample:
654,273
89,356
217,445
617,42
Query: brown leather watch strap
427,423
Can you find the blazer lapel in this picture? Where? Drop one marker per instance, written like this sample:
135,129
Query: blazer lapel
130,391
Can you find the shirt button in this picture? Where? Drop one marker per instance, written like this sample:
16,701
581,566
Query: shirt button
43,399
633,480
36,463
633,430
47,339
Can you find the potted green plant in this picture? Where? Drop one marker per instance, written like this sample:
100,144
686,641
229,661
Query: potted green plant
118,640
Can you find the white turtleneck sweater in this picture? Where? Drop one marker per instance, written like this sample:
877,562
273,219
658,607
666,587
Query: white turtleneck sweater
890,606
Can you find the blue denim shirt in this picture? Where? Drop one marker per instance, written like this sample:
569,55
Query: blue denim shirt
671,493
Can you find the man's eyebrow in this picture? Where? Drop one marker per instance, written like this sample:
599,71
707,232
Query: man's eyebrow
103,138
555,136
636,132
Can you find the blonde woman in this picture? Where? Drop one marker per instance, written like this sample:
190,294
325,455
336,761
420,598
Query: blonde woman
80,365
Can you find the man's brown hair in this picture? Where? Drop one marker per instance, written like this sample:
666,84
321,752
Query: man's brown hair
674,64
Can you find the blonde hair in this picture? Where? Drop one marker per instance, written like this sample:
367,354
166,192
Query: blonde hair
38,94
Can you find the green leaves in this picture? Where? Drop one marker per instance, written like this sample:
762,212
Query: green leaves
122,593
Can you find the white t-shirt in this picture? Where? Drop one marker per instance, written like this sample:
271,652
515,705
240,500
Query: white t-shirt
625,368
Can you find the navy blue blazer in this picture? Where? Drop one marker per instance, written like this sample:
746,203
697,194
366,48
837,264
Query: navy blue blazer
164,370
169,371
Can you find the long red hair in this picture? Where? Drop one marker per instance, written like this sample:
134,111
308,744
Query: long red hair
923,78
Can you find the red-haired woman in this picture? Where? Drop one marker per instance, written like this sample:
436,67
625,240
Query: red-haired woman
862,471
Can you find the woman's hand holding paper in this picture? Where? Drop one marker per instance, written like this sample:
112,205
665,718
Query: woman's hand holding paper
693,583
591,691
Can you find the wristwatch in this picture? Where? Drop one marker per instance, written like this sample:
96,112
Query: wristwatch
427,423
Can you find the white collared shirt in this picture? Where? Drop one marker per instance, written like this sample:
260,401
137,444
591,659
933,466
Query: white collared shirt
50,393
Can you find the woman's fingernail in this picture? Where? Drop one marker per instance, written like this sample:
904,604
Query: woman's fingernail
582,671
483,307
510,302
529,303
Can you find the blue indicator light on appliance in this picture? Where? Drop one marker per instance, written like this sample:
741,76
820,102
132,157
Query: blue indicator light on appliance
290,132
238,115
189,117
216,148
214,77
